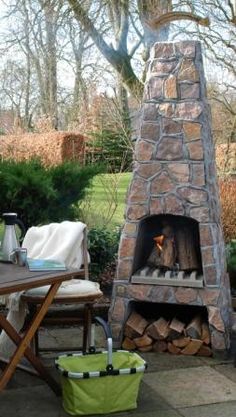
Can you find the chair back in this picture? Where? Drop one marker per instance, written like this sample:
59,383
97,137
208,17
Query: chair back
85,253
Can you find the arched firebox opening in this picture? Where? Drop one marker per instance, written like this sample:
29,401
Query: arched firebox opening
167,246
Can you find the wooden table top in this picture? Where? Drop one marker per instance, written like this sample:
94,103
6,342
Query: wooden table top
14,278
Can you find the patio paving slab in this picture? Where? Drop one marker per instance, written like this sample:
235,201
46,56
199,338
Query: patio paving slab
227,370
192,386
164,361
227,409
155,413
37,401
34,401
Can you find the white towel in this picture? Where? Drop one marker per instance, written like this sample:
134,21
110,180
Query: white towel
59,241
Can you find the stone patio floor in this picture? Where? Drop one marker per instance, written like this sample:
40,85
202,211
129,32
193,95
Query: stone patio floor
172,386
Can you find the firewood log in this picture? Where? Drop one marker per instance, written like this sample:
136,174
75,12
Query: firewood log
163,253
176,329
173,349
192,348
135,325
145,348
144,340
186,249
159,346
204,351
168,254
181,342
177,325
128,344
205,335
194,328
154,258
159,329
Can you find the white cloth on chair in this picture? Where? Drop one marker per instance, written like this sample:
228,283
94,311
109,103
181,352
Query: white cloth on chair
59,241
16,316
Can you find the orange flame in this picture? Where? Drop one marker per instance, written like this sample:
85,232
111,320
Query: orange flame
159,241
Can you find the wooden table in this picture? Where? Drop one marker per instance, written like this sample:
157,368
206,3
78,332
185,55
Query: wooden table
14,278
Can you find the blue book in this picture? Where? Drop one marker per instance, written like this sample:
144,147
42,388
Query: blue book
45,265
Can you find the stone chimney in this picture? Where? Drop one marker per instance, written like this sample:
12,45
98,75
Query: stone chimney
175,183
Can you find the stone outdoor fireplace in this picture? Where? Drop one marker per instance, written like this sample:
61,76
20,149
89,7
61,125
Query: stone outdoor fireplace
171,250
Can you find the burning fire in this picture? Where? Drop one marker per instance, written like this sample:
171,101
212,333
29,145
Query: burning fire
159,241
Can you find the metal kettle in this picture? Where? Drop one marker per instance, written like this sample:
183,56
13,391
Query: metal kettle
10,240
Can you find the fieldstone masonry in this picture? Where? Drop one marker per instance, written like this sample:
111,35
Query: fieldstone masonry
174,173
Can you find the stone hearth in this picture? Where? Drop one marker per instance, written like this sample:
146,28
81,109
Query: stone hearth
174,176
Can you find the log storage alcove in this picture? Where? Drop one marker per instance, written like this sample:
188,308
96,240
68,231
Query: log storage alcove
168,328
171,248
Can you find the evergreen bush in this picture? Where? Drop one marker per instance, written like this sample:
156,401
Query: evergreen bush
42,195
231,264
103,246
114,148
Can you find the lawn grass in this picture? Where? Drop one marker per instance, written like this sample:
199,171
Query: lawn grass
105,203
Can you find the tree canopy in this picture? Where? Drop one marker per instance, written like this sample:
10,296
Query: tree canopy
148,20
57,55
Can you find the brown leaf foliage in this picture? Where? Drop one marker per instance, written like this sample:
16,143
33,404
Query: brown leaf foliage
228,203
226,158
52,148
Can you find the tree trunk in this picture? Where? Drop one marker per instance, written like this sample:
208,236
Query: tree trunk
27,117
78,41
51,61
148,9
118,12
124,109
118,58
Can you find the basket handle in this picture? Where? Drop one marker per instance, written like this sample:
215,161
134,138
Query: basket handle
108,334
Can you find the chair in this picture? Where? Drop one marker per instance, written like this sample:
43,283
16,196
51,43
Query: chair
82,292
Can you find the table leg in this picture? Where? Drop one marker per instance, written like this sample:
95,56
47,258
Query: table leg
24,342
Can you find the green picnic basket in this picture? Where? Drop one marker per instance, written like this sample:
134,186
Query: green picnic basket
100,382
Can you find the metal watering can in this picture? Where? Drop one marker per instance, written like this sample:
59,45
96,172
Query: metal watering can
10,241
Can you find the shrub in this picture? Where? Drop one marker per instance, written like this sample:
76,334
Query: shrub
114,148
231,264
228,204
42,195
70,181
103,247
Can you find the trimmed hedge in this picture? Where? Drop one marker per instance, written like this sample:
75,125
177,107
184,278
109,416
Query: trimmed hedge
227,188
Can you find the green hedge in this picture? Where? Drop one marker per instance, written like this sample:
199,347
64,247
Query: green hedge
103,247
231,264
41,195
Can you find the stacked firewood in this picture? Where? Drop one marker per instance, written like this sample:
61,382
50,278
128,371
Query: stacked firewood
171,336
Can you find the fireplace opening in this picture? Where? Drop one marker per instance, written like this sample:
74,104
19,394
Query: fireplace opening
163,327
153,311
168,252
